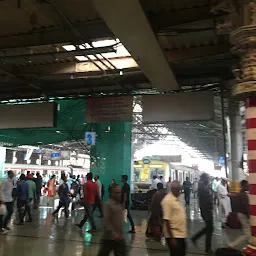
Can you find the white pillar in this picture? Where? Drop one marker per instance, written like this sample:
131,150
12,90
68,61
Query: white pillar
236,144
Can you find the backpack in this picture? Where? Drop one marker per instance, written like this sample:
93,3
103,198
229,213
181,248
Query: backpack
75,187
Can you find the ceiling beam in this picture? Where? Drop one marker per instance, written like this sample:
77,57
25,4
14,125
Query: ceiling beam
56,35
128,22
73,67
125,62
49,56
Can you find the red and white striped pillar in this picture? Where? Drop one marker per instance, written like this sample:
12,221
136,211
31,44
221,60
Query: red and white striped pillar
250,250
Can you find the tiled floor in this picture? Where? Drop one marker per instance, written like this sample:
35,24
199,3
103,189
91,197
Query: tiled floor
46,236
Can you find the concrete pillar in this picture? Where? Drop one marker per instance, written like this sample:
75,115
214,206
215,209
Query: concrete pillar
251,140
111,156
244,41
236,139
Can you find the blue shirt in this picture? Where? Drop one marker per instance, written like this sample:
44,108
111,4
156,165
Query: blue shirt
22,190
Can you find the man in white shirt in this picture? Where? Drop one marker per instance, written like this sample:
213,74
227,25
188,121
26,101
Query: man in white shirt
224,200
215,184
163,181
6,192
98,202
155,181
175,223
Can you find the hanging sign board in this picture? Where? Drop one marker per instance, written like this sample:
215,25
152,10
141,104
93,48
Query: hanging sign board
109,109
192,106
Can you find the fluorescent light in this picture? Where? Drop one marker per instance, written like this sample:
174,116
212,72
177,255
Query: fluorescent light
81,58
58,132
102,43
69,47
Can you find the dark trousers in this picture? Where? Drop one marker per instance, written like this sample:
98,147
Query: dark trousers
107,246
22,213
88,214
98,204
1,221
187,197
179,249
37,200
64,204
207,230
9,207
28,209
129,216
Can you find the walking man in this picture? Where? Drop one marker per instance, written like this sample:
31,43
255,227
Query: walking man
6,191
243,216
215,184
187,190
39,185
126,201
22,195
98,203
31,196
113,226
224,201
90,195
64,193
174,221
206,207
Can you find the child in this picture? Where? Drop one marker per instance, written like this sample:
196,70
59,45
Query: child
2,214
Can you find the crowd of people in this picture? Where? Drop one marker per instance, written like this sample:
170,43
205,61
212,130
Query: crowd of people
168,215
167,219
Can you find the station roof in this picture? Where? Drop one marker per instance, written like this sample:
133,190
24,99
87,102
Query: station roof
35,61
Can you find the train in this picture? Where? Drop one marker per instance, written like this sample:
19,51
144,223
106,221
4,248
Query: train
45,169
145,169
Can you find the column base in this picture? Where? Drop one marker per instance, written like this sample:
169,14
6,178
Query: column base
234,186
249,251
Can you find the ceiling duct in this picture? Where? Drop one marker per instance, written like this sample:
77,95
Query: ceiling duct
128,22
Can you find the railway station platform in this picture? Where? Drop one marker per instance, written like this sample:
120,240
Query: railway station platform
46,236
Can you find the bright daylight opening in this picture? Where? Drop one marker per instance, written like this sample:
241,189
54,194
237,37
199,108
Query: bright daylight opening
121,51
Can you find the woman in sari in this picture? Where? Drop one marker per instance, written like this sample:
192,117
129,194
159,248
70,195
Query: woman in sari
154,229
51,188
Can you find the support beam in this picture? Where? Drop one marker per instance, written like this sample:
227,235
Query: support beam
128,22
73,67
122,63
56,35
49,56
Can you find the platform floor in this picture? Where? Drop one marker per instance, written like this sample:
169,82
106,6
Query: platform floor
46,236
